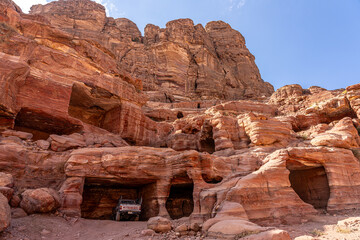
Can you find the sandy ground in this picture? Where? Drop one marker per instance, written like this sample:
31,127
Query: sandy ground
37,227
51,227
326,226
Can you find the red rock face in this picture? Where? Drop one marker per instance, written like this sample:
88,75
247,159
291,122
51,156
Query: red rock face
78,131
182,59
79,79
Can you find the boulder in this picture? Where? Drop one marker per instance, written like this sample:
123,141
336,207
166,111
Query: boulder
41,200
159,224
230,229
195,227
182,229
148,232
275,234
5,213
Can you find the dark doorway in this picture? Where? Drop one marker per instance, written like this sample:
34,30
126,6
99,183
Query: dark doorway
180,202
207,143
100,197
311,185
180,115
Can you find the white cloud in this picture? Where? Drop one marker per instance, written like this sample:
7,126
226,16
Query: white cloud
236,3
25,5
241,4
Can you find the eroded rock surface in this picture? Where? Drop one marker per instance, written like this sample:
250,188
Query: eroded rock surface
179,119
183,58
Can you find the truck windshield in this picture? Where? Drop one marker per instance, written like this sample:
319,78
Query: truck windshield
127,202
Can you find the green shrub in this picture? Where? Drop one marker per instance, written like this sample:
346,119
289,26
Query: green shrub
317,233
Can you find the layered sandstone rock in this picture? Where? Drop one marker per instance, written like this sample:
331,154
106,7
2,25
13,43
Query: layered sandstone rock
73,120
31,168
82,82
343,134
324,104
353,94
220,127
182,59
294,200
148,170
267,131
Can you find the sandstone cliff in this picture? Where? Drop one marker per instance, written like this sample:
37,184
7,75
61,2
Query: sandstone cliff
182,59
77,131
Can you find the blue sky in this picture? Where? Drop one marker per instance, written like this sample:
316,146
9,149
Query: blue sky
309,42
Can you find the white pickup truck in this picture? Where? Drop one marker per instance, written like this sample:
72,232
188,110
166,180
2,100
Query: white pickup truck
127,210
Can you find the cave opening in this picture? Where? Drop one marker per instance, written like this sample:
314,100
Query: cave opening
180,115
211,179
100,198
42,124
311,185
207,143
180,202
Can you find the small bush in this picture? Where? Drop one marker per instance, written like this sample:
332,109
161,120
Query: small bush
303,136
317,233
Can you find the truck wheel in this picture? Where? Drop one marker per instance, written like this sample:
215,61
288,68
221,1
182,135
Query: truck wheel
118,217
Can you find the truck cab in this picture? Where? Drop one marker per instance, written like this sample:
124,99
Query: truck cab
127,209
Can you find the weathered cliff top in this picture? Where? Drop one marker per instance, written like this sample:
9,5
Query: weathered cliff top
182,59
